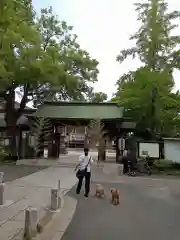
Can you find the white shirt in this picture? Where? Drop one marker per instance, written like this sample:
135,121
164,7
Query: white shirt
83,161
125,153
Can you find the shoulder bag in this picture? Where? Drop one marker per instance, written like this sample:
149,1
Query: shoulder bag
82,173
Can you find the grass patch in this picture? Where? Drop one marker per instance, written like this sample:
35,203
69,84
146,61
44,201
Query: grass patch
166,166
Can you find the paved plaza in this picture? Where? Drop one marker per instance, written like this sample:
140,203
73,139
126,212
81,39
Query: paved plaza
149,209
149,206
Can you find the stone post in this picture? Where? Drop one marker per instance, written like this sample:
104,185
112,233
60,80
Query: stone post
59,189
120,169
27,225
1,177
62,149
59,185
34,214
54,199
30,228
1,193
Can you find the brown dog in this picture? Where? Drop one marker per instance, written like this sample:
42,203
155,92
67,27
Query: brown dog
100,191
115,196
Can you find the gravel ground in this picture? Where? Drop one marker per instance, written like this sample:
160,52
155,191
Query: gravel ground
12,172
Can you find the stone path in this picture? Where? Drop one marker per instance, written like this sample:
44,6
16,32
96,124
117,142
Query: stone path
31,191
67,160
149,209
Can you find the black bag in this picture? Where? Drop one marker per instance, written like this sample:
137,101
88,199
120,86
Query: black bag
82,173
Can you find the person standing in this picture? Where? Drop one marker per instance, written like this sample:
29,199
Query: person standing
125,161
125,152
84,171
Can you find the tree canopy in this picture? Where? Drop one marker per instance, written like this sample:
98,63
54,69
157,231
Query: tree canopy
41,58
158,50
98,97
155,43
79,68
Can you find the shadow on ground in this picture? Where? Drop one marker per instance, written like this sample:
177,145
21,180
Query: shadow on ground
12,172
145,212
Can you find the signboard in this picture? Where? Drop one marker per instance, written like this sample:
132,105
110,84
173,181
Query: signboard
149,149
77,137
121,144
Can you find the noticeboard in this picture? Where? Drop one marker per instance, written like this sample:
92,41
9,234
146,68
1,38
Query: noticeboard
150,149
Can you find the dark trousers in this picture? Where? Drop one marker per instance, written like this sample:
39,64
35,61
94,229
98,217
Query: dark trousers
125,164
87,183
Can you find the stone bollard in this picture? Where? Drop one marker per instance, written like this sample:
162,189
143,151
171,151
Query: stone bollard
1,177
30,228
59,185
1,194
60,200
59,189
120,169
54,199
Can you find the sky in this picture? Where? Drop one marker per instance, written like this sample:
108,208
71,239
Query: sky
103,28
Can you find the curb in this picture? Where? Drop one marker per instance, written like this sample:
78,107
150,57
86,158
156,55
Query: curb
50,218
56,228
44,221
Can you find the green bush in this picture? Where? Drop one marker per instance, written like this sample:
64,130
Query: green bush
166,165
162,165
3,153
176,165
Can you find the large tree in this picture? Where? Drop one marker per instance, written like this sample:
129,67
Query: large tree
98,97
157,48
136,97
155,44
80,67
19,40
38,55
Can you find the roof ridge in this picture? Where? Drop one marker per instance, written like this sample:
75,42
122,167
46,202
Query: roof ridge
60,103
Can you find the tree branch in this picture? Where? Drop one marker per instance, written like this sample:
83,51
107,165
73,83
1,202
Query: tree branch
48,38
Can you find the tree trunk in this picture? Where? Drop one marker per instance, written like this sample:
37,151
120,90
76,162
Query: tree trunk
11,118
101,151
101,155
12,115
86,141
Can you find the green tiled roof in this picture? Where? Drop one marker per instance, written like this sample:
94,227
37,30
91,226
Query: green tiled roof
79,110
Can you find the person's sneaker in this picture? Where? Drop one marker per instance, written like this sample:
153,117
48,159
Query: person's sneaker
86,195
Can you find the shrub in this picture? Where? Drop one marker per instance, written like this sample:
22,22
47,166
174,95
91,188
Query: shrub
176,165
3,153
162,165
166,165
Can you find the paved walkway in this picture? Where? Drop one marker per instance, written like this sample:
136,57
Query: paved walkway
69,159
34,191
149,209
